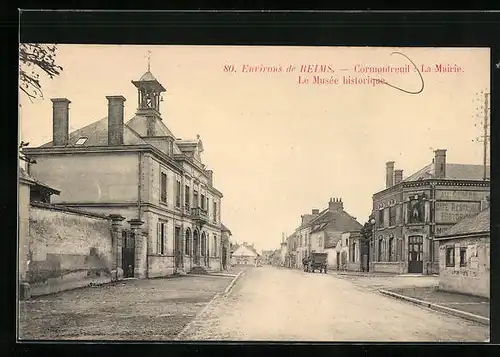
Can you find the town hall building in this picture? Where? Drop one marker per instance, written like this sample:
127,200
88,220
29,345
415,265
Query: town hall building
138,169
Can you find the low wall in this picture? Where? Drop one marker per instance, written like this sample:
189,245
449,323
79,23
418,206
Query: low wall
67,248
356,266
215,264
387,267
159,265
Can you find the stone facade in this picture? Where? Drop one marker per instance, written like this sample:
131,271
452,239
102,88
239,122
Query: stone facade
472,276
410,213
464,256
145,174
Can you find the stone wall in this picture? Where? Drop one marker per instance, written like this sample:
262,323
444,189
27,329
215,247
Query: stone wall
67,248
159,265
23,230
472,278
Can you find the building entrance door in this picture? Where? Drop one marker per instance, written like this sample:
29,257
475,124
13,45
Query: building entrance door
415,254
338,261
196,247
128,254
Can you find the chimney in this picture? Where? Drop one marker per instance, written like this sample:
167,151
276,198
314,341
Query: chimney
315,211
210,177
440,163
115,119
335,205
60,121
389,174
398,176
485,203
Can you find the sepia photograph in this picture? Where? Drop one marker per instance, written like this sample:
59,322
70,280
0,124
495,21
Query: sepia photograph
253,193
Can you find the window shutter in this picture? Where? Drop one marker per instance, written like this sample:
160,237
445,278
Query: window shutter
165,233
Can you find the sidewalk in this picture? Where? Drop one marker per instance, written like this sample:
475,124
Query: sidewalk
468,306
142,309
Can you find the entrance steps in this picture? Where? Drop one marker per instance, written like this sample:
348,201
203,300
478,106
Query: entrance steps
198,270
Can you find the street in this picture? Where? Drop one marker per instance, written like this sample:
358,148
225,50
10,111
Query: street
270,303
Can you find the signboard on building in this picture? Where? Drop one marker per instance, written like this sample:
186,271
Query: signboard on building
440,230
461,195
452,212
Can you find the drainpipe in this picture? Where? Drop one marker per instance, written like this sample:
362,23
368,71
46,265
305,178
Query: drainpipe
432,223
139,210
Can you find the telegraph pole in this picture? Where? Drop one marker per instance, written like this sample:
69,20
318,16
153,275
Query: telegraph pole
485,138
485,126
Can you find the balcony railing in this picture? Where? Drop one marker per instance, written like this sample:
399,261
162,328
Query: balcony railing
199,214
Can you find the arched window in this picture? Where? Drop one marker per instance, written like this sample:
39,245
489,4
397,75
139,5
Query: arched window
389,250
380,241
188,242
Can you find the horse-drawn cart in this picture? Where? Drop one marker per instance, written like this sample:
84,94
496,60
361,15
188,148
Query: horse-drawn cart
316,261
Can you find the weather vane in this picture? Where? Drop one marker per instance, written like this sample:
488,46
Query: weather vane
149,60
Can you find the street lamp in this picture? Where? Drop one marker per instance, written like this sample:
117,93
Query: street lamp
372,231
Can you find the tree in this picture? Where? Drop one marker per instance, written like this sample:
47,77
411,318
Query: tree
36,58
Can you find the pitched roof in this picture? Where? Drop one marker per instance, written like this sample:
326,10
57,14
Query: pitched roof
25,177
225,229
453,172
148,76
479,223
248,247
339,221
97,135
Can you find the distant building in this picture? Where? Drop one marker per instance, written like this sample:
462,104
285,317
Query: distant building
291,251
283,253
410,213
327,229
464,256
302,237
244,254
226,247
347,253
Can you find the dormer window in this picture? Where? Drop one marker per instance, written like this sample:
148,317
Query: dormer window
81,141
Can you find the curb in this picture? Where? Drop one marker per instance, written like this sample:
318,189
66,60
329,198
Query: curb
231,284
188,327
437,307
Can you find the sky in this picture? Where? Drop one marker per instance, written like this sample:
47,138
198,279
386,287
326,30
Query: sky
280,147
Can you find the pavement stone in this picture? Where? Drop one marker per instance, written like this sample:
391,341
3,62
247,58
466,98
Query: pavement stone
471,304
154,309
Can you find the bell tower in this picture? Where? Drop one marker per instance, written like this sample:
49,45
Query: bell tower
149,92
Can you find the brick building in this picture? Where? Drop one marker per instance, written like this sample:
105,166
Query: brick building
140,170
409,213
464,256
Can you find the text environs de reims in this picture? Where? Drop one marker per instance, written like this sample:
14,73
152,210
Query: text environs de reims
304,68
